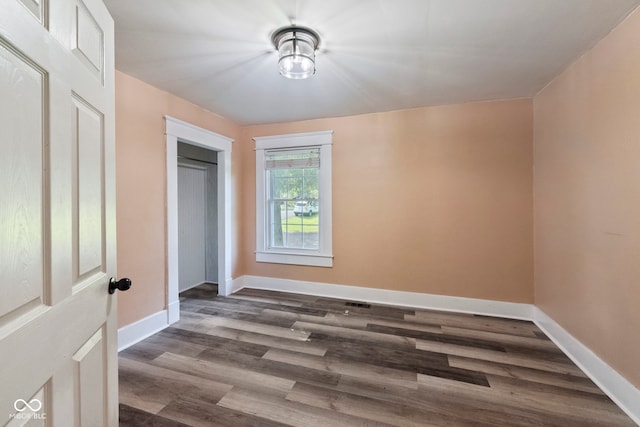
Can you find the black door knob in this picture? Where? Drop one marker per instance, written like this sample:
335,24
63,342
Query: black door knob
122,284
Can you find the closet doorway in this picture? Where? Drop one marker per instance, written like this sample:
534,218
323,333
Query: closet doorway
197,216
179,131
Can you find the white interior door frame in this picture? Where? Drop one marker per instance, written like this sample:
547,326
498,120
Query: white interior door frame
177,130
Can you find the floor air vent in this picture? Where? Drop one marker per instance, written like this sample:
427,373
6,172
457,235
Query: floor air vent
357,304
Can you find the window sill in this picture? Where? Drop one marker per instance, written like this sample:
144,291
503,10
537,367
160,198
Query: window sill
313,260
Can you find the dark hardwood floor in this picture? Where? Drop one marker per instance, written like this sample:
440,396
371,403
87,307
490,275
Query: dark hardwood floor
262,358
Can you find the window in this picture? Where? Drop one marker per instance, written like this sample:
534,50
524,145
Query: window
293,199
293,217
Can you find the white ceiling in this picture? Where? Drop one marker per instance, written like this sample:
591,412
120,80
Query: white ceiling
375,55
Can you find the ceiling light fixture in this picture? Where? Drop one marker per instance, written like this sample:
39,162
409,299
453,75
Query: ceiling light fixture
296,51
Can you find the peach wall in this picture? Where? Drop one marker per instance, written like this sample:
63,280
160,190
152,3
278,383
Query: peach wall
141,189
435,200
587,199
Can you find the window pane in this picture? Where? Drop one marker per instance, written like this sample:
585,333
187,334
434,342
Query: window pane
310,237
300,229
275,225
292,181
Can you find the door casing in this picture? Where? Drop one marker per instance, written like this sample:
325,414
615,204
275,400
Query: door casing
178,130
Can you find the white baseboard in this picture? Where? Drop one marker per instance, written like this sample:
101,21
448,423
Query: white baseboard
227,288
143,328
236,284
173,312
621,391
384,296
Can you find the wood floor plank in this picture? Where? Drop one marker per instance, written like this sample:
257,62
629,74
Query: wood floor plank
160,343
190,320
204,291
328,319
293,308
295,333
438,337
374,311
265,358
202,414
570,382
267,300
224,374
510,359
458,411
423,327
355,334
224,304
278,296
259,364
190,306
133,417
266,340
365,407
150,404
288,412
596,407
395,357
142,351
555,410
214,342
355,369
261,318
529,341
503,326
151,388
549,414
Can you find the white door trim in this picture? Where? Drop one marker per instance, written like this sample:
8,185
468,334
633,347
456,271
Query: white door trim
177,130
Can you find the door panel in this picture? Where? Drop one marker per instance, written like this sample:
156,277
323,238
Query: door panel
89,370
88,39
88,198
22,111
37,8
57,214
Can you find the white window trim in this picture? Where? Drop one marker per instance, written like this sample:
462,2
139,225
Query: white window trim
323,257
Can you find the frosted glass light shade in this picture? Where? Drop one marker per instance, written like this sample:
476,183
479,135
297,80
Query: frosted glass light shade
296,51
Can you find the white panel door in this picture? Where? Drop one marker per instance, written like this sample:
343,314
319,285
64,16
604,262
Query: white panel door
191,225
58,357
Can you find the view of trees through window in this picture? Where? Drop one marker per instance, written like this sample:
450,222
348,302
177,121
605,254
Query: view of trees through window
292,182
